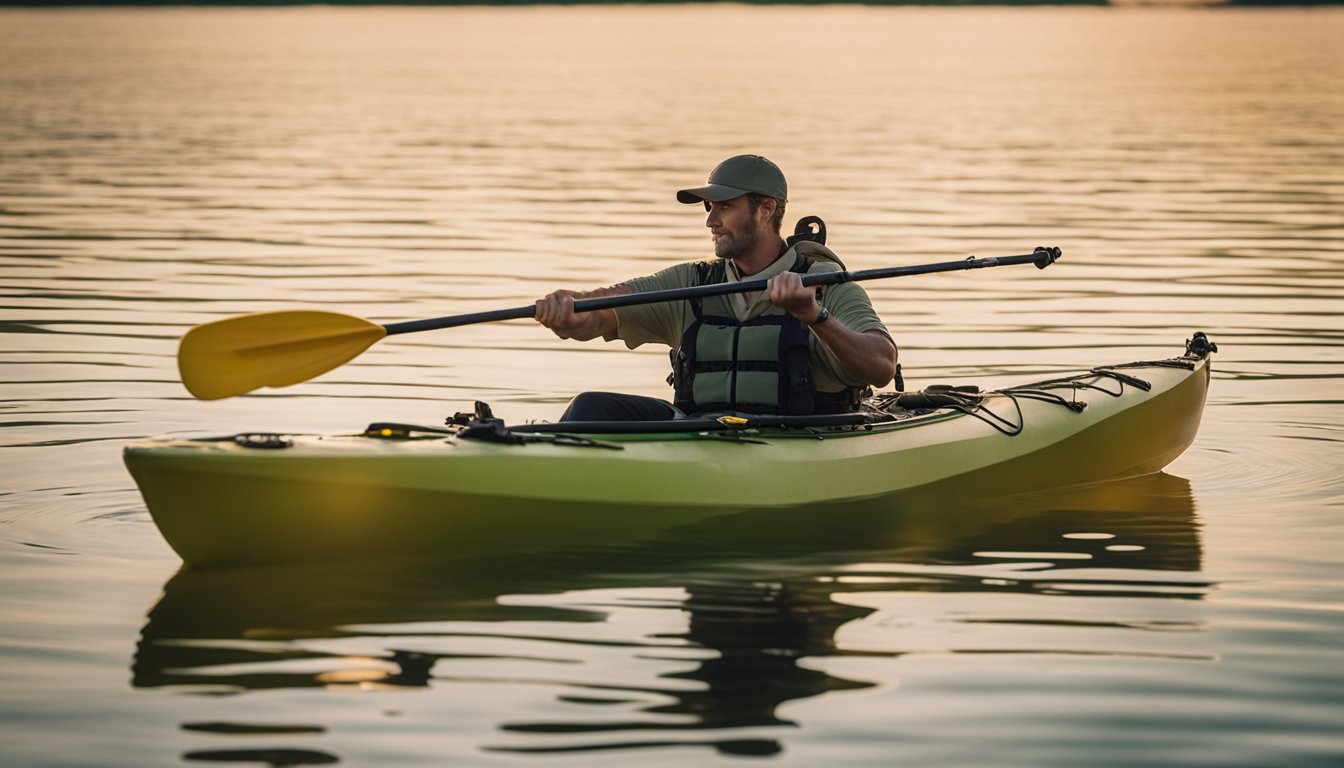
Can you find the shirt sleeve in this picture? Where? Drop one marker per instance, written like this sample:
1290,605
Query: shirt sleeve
849,303
662,322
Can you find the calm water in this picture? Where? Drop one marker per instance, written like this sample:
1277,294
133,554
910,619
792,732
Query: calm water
159,169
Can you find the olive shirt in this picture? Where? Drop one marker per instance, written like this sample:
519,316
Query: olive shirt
665,322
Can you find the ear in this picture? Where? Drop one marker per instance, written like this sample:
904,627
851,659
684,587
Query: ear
766,211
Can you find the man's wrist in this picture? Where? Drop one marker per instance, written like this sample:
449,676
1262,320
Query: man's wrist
822,316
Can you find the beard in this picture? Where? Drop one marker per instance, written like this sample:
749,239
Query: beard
730,245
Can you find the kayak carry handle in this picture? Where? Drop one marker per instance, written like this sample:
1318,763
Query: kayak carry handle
1200,345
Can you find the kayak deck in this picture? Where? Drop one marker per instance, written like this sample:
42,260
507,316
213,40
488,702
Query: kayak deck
401,490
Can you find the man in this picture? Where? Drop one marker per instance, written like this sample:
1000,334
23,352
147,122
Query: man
788,349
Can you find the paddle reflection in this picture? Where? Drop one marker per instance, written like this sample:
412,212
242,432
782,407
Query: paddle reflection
711,623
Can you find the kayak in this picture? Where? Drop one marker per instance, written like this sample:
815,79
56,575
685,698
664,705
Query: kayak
480,485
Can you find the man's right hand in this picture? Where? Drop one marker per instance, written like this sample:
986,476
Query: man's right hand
556,311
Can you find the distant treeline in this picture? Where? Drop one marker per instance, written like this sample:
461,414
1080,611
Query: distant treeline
265,3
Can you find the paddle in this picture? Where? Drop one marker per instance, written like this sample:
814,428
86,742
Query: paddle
277,349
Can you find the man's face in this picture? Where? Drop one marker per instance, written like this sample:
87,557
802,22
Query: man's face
734,229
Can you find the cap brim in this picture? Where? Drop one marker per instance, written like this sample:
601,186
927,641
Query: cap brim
715,193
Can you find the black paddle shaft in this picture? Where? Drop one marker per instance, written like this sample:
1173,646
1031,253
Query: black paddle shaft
1042,257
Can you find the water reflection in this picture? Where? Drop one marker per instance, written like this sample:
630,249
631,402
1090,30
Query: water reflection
278,758
702,636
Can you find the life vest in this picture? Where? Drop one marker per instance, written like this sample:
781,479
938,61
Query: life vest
760,365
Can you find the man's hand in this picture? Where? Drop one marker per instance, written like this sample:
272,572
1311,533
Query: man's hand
786,291
555,310
868,356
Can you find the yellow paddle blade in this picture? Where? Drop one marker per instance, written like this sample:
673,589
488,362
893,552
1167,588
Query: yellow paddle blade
269,349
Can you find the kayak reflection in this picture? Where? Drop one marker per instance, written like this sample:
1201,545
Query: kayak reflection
713,622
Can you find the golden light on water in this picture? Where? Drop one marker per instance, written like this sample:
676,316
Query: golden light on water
162,169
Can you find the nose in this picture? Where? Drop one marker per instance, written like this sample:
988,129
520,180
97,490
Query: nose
711,216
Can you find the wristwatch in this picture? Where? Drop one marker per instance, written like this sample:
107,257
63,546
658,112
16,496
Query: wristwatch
822,316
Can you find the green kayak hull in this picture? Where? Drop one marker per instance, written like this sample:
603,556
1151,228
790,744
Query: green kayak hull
225,502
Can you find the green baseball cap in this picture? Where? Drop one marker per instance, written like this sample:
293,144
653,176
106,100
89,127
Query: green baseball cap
738,176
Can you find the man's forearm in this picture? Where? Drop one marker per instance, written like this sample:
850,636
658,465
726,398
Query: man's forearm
869,356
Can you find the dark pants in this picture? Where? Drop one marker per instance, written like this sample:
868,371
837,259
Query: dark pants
611,406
